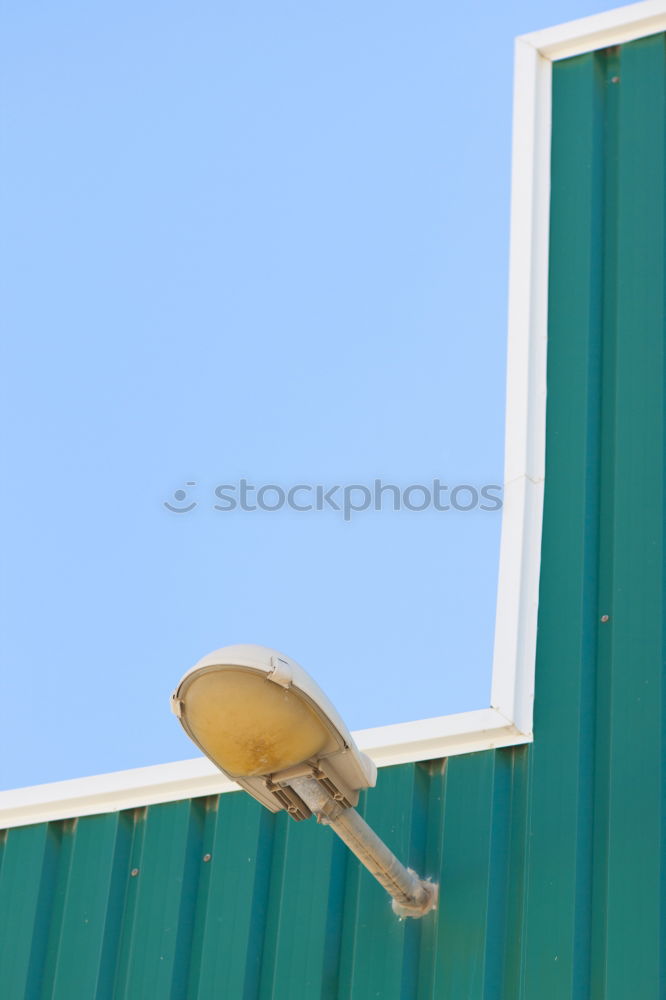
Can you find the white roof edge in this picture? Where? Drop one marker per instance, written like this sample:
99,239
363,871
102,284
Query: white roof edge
613,27
144,786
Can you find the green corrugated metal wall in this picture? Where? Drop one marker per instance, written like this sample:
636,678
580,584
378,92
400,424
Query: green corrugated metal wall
550,858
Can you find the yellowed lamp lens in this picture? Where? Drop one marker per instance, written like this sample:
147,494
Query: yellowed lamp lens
249,725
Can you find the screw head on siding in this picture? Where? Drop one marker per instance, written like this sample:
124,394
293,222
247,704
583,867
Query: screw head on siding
206,857
604,618
134,872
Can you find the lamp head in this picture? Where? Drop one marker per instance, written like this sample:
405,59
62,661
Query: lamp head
263,721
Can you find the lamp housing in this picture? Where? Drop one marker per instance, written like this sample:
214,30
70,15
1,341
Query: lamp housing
263,721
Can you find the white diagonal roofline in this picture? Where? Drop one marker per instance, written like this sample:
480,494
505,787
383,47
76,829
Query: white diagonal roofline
426,739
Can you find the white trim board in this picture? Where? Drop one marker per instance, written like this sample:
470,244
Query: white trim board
509,720
613,27
186,779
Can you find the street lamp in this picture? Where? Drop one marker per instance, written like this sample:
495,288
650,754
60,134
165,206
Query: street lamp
263,722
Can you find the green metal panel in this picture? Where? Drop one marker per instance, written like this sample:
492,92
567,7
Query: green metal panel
603,545
550,857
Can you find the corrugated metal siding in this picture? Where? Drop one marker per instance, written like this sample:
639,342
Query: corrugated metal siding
280,909
595,877
550,858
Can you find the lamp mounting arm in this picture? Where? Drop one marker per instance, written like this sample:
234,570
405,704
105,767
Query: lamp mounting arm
412,896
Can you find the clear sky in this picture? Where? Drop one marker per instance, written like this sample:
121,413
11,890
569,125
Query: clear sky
262,241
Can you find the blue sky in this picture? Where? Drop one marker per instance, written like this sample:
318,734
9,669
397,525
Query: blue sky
247,241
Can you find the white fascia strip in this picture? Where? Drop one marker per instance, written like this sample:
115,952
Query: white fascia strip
145,786
524,463
509,721
613,27
445,736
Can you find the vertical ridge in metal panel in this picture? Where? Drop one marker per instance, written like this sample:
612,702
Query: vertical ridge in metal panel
79,919
635,622
418,860
115,890
334,924
23,899
497,943
230,922
167,871
603,522
558,884
126,895
192,868
274,913
162,886
436,770
44,923
350,909
465,877
381,943
313,874
514,914
67,836
209,806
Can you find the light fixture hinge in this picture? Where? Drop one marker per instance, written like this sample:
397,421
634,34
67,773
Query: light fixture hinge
281,673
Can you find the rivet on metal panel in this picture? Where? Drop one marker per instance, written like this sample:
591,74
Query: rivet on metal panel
207,857
134,872
604,618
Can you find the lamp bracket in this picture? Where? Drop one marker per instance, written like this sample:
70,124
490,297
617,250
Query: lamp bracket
281,673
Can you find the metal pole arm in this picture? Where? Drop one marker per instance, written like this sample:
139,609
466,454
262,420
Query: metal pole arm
412,896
